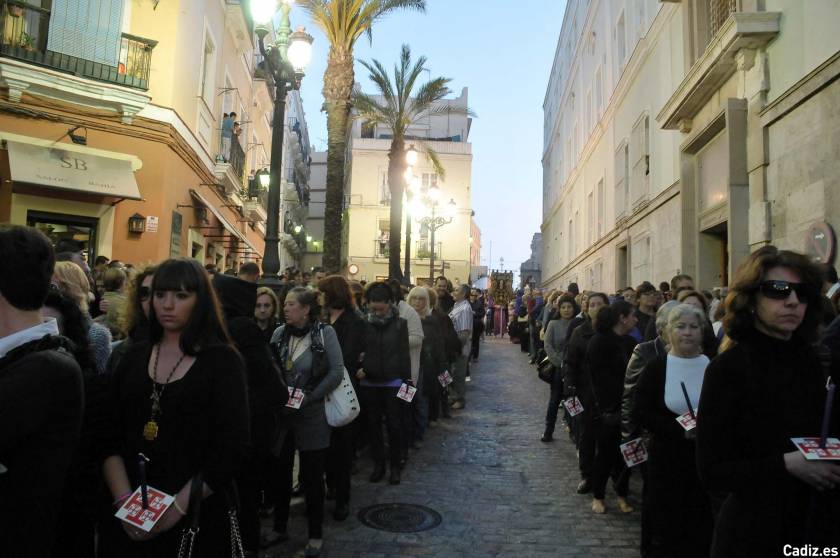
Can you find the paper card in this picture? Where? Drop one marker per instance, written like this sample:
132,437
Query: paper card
634,452
295,398
810,448
406,392
132,510
574,406
445,378
687,421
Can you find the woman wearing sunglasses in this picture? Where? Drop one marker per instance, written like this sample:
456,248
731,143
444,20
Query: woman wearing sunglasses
179,398
766,387
135,316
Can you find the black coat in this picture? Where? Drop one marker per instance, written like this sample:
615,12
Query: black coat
41,405
433,354
643,354
451,343
387,354
606,360
680,516
575,372
266,392
350,330
756,396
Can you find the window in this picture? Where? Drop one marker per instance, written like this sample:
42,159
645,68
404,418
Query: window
383,236
384,189
620,44
590,218
208,69
600,200
430,180
640,155
590,117
641,260
599,94
622,183
571,237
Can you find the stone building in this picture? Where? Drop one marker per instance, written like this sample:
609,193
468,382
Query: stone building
682,135
530,271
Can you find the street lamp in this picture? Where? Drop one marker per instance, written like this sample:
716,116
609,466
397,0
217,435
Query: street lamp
285,61
265,178
434,221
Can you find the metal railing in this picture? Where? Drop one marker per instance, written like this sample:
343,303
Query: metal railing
423,250
237,157
381,249
24,31
719,12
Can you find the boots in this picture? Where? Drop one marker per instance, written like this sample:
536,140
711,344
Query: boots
378,472
395,476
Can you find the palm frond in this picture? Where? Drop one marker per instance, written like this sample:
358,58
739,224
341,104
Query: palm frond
432,155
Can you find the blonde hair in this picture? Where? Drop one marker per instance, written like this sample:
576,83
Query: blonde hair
72,281
421,292
269,293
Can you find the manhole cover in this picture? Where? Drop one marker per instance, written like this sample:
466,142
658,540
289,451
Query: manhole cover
400,518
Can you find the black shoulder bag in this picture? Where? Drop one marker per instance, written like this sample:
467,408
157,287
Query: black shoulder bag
185,548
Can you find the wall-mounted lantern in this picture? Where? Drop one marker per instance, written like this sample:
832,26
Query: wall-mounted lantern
137,224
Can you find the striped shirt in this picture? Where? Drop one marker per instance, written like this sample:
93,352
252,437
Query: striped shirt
462,316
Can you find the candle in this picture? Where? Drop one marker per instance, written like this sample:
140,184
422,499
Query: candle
688,401
144,491
829,404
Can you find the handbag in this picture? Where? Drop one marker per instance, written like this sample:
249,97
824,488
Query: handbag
185,548
342,405
545,370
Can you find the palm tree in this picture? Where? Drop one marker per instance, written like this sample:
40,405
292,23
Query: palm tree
398,107
343,22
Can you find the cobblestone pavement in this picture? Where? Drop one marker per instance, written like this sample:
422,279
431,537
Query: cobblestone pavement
501,491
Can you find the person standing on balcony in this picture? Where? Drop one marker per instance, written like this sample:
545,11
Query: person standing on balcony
227,133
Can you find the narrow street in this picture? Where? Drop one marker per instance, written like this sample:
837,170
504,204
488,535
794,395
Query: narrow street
498,489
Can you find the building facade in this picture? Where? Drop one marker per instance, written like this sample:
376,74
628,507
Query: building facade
314,254
114,134
530,271
669,137
368,197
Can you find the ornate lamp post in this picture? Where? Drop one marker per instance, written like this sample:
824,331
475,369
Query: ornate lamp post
435,219
285,60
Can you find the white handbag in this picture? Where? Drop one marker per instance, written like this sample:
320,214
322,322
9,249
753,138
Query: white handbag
342,405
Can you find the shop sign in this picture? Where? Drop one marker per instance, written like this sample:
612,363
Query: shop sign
75,171
821,243
151,224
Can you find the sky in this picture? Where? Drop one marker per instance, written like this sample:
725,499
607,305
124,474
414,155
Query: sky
502,51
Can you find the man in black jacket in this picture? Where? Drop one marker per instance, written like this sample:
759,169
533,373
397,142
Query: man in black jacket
41,398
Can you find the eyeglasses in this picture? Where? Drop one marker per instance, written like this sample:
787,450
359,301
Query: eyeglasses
780,290
144,292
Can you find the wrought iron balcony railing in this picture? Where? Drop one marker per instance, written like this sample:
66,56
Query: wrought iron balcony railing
24,35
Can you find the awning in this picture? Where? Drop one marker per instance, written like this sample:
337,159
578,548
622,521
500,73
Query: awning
72,170
225,223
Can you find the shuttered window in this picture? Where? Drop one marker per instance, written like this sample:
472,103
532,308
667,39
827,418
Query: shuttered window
87,29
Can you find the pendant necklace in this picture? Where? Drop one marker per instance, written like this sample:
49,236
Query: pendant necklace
292,347
150,430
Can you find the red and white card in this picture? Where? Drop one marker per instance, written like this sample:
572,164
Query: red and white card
687,421
295,398
810,448
406,392
574,406
132,511
445,378
634,452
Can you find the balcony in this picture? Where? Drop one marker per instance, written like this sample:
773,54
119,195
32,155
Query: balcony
381,250
230,164
24,35
256,202
422,250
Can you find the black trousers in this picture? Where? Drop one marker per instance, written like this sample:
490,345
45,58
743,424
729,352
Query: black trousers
554,402
382,404
587,436
312,473
340,461
249,482
609,463
478,328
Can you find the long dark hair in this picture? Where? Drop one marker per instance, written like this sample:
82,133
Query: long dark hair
739,321
206,327
608,316
74,326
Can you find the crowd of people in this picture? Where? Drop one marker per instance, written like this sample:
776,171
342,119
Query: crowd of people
752,365
209,388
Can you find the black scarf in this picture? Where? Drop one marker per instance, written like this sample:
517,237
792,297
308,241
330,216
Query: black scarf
298,331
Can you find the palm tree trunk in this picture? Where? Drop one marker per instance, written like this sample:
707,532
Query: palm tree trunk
396,164
338,88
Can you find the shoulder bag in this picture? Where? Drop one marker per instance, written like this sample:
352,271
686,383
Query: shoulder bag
185,548
545,370
341,405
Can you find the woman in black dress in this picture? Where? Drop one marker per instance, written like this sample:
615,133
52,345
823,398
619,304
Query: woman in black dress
180,399
765,387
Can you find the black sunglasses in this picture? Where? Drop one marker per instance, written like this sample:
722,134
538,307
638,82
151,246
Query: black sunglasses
780,290
144,292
